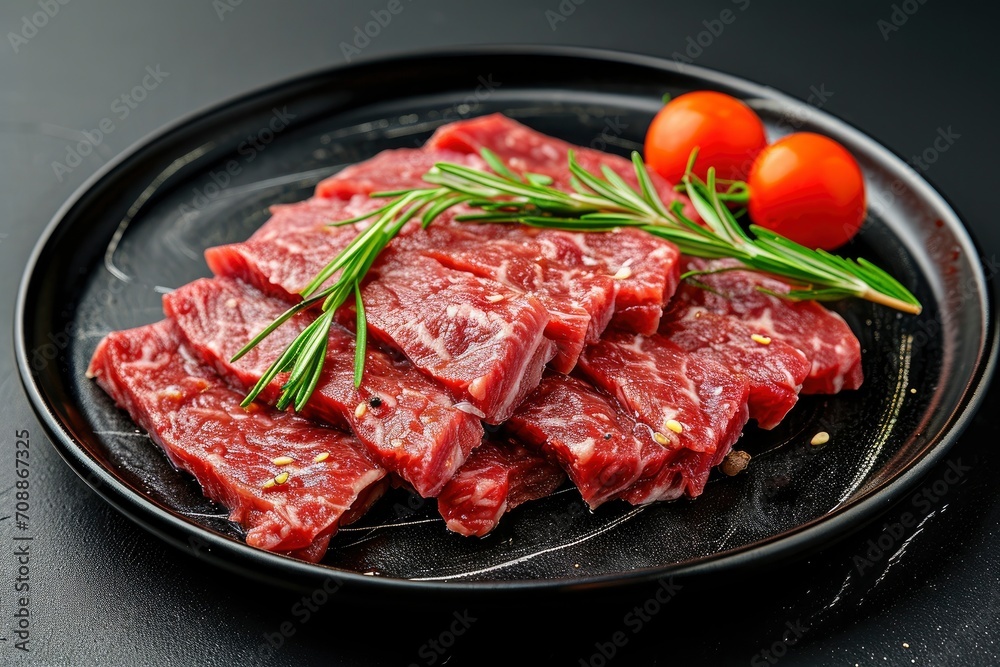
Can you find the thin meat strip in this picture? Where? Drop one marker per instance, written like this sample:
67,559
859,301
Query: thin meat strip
694,406
390,170
774,369
284,255
822,335
482,341
579,300
499,476
408,423
197,420
645,268
601,447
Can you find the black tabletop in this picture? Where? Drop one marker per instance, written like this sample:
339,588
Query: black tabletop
104,591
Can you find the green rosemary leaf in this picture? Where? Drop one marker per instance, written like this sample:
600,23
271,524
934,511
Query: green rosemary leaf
497,165
361,337
646,186
538,179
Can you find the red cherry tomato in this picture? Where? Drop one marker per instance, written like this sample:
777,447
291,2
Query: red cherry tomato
727,133
808,188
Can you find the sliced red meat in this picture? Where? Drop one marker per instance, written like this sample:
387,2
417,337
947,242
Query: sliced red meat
579,301
499,476
646,268
296,243
601,447
408,423
646,265
287,252
198,421
481,340
696,407
390,170
833,350
774,369
527,150
584,281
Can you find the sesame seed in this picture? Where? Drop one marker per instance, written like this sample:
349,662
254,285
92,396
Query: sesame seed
623,273
660,438
913,390
674,425
282,478
820,438
360,411
375,402
322,456
495,298
763,340
283,460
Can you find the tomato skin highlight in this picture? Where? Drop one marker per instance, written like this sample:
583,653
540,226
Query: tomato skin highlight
727,133
808,188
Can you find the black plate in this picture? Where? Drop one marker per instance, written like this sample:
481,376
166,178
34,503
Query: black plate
139,227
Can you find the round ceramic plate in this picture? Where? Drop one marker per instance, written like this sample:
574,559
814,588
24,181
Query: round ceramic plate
139,227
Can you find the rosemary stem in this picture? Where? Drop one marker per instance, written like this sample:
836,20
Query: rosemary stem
891,302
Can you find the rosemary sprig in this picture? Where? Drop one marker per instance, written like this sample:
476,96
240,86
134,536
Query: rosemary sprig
597,204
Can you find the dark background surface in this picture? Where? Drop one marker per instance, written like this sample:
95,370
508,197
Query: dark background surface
106,592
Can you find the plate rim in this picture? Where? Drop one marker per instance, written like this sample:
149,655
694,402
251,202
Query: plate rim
260,564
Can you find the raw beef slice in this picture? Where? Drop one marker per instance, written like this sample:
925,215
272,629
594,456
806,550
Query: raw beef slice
408,423
199,423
